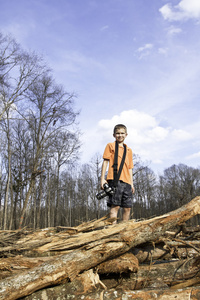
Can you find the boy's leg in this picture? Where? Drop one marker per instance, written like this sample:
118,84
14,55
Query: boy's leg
126,213
126,201
113,212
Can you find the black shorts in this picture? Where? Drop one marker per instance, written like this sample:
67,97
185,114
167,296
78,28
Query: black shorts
123,195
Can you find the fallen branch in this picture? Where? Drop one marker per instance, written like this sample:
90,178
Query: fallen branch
189,243
183,294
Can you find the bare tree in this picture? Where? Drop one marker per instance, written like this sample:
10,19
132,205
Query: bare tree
180,184
65,146
50,112
96,164
9,154
18,70
6,128
69,210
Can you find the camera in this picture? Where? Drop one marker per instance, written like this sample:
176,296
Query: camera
107,190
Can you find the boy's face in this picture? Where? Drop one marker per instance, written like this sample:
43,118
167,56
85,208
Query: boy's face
120,135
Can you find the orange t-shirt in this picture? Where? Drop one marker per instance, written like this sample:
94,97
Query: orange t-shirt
109,154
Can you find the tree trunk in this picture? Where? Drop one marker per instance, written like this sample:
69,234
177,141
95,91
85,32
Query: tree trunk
38,210
87,286
48,198
57,196
9,174
32,183
183,294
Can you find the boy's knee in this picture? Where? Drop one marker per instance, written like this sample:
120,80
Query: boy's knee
126,213
114,208
127,209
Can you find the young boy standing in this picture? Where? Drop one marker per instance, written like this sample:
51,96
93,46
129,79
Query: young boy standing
122,196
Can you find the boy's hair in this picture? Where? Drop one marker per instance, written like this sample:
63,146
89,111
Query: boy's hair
119,126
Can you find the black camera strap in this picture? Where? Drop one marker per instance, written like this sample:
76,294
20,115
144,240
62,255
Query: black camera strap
117,174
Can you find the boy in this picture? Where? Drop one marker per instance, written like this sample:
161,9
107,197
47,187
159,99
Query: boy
124,189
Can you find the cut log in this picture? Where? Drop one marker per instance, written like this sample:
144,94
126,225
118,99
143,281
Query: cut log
150,253
93,248
157,277
122,264
87,226
21,241
85,283
182,294
161,275
16,265
146,253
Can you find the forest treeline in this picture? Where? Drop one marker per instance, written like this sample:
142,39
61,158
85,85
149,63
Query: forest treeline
42,183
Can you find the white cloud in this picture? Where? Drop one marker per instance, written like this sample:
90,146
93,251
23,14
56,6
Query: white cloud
168,13
133,118
181,135
144,50
163,51
186,9
172,30
145,47
75,62
158,134
194,156
104,28
146,137
190,7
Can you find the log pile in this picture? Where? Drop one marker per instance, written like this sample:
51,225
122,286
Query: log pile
157,258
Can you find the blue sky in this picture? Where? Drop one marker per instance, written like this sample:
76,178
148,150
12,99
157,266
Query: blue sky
135,62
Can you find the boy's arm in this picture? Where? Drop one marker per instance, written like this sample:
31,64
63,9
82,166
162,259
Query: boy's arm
131,176
103,172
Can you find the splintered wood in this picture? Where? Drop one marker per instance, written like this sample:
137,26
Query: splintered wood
96,257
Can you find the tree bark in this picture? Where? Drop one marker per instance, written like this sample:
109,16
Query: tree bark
123,264
147,253
32,182
159,275
192,293
93,248
84,284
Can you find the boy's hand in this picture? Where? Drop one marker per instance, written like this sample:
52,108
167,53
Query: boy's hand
103,172
133,189
102,183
